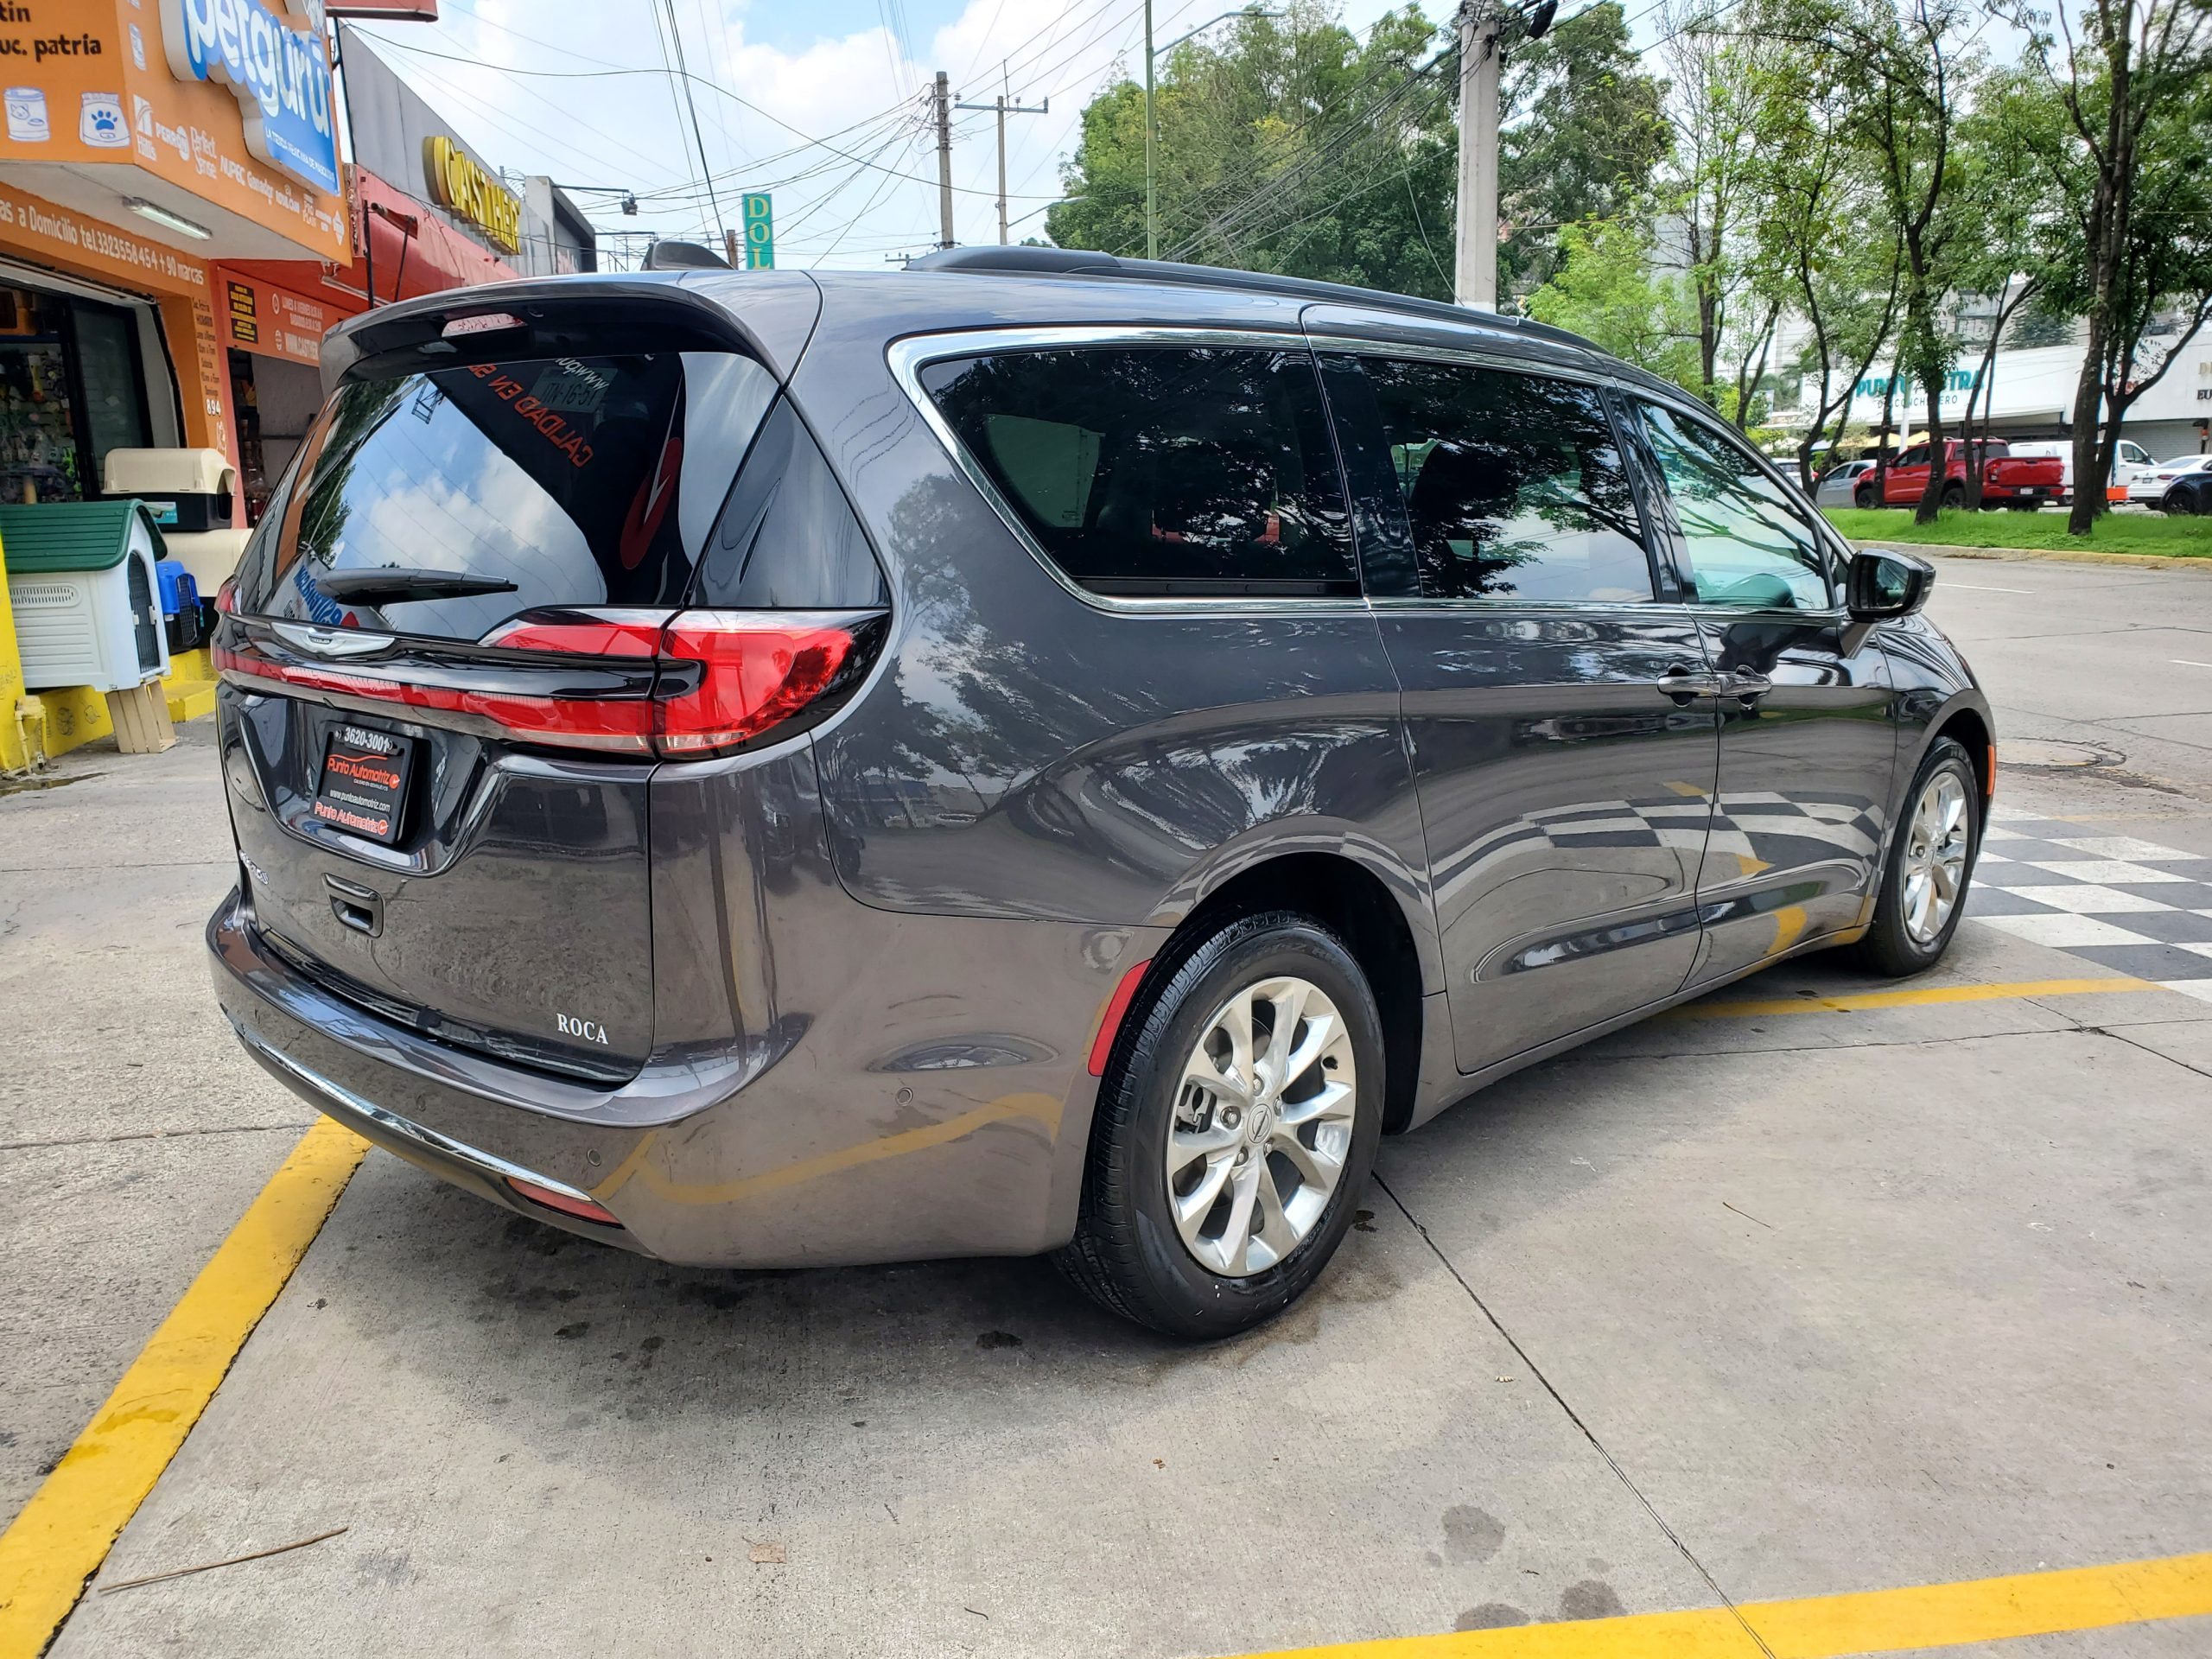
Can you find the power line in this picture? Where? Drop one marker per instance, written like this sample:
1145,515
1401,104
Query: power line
677,73
698,138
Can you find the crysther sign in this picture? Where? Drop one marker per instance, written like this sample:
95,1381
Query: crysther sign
280,75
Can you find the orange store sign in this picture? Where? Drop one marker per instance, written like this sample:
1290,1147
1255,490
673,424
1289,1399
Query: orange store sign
71,239
95,86
273,321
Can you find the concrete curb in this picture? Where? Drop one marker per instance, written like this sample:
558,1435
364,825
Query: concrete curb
2050,555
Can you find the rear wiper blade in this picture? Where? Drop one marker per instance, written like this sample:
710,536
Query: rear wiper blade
392,583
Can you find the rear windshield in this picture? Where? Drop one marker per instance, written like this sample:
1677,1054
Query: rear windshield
542,482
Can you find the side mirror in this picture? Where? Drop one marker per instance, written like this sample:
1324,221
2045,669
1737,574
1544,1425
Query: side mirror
1882,584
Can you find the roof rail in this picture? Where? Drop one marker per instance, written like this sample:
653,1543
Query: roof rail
1078,262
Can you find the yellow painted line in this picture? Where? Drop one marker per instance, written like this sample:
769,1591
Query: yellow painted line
1920,999
1832,1627
66,1530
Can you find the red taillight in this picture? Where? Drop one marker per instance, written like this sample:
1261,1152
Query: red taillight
617,634
756,672
227,596
753,670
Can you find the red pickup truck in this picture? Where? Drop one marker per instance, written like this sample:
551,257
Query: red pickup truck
2020,482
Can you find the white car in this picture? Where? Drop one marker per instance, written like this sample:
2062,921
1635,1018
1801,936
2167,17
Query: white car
2150,486
2128,457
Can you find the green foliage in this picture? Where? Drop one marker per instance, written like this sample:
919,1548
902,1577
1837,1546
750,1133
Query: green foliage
2180,539
1293,146
1286,146
1584,132
1608,289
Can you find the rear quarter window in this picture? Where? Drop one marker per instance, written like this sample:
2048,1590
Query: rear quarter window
552,481
1160,471
788,539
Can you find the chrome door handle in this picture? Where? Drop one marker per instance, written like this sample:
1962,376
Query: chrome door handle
1744,686
1684,685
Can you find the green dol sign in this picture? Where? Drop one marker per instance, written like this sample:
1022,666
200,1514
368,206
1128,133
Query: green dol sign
760,231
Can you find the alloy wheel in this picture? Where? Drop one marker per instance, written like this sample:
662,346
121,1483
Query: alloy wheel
1936,857
1262,1126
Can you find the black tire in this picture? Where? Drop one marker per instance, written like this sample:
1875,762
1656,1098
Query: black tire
1127,1252
2180,502
1955,495
1890,948
1863,495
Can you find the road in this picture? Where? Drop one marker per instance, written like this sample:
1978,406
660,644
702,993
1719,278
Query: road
1787,1296
2113,661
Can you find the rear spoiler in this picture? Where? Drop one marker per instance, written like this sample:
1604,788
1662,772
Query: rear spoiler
766,315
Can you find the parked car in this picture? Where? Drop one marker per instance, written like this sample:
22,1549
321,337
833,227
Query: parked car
1031,753
2022,483
2191,493
2154,485
1838,487
2128,457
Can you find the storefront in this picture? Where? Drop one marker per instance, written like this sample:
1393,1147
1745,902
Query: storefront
144,143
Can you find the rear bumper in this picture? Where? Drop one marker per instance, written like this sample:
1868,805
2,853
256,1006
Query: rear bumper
820,1154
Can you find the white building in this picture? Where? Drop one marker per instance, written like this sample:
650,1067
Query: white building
2031,395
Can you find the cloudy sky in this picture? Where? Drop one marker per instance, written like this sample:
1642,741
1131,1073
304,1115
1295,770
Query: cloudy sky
527,84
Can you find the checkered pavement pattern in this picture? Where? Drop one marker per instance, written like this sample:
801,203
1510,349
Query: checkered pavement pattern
2130,907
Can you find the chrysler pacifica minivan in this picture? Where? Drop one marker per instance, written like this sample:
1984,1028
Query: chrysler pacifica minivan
1031,753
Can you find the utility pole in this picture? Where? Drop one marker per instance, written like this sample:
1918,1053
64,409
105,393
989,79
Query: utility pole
1474,273
1005,109
1151,138
943,159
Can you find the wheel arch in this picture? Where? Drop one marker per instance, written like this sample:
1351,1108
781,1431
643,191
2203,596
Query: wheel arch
1380,925
1970,728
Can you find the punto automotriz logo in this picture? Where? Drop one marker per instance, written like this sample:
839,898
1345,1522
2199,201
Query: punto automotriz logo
280,74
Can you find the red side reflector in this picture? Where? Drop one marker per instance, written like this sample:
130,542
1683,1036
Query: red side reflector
582,1209
758,672
1110,1023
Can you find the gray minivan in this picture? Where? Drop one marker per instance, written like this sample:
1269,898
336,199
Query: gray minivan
1031,753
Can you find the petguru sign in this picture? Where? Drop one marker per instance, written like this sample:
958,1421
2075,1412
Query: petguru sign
280,73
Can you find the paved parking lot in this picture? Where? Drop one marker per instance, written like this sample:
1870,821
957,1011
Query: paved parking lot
1819,1286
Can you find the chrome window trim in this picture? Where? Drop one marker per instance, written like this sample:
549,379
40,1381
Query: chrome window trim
1634,608
1472,357
909,356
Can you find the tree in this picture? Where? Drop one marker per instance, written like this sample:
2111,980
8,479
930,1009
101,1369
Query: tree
1283,145
1913,66
1582,135
2125,150
1815,193
2007,231
1705,193
1609,289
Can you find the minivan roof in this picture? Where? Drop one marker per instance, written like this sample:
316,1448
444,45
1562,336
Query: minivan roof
1080,263
773,312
